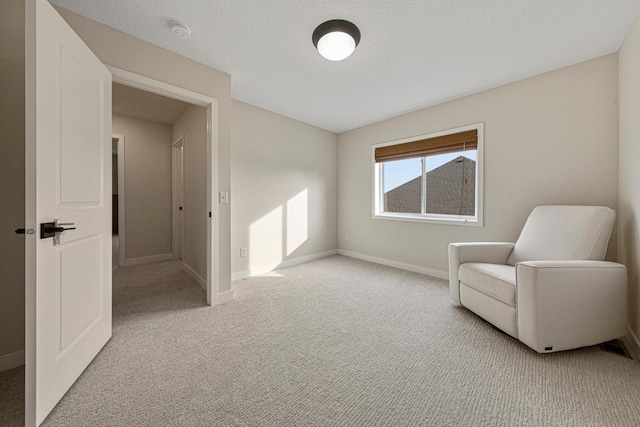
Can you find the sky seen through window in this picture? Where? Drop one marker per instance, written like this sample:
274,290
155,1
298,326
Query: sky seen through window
400,172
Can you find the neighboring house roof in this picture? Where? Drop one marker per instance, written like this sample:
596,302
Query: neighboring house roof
446,192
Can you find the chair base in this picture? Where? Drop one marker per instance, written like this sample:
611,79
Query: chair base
496,312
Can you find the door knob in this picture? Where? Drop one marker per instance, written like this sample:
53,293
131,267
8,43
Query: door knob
53,229
58,229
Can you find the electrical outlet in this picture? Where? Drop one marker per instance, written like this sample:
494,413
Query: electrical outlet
224,197
243,252
346,236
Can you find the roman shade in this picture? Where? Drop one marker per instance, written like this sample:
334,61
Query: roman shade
460,141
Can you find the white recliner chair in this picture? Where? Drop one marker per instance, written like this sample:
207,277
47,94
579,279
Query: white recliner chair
551,289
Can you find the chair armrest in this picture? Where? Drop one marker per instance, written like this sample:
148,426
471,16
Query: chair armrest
460,253
570,304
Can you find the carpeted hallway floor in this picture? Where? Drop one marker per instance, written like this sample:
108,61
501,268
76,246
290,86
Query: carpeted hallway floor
12,397
333,342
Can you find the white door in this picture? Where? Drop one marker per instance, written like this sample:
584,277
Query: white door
178,197
68,179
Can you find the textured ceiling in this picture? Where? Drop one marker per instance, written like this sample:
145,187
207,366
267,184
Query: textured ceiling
146,105
413,53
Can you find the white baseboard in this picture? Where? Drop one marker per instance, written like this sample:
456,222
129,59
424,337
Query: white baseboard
225,297
240,275
634,343
402,266
195,276
302,259
11,360
222,298
147,259
256,271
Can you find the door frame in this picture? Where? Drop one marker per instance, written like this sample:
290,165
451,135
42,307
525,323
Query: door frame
177,220
121,199
158,87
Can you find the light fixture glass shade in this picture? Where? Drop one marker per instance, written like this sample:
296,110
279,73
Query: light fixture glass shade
336,46
336,39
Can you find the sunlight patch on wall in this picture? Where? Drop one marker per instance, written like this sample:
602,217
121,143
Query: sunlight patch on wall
297,221
265,238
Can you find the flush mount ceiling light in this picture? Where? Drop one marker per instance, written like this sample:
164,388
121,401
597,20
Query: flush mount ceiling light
180,30
336,39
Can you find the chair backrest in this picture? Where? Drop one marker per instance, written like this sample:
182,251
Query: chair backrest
564,233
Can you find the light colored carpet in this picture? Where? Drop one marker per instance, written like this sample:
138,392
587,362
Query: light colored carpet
12,397
333,342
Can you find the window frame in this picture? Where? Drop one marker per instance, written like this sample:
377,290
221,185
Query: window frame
378,184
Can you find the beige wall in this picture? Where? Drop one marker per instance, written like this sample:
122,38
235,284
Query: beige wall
12,176
147,191
283,189
118,49
550,139
193,126
629,172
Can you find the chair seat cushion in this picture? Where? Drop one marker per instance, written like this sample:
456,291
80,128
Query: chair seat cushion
495,280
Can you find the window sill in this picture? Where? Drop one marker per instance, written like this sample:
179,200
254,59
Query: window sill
431,219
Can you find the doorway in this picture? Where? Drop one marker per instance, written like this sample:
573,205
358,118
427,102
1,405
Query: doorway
161,176
147,84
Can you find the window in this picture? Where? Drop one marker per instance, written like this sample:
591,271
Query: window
430,178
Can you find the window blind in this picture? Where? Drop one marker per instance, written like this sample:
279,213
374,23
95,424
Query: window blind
467,140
